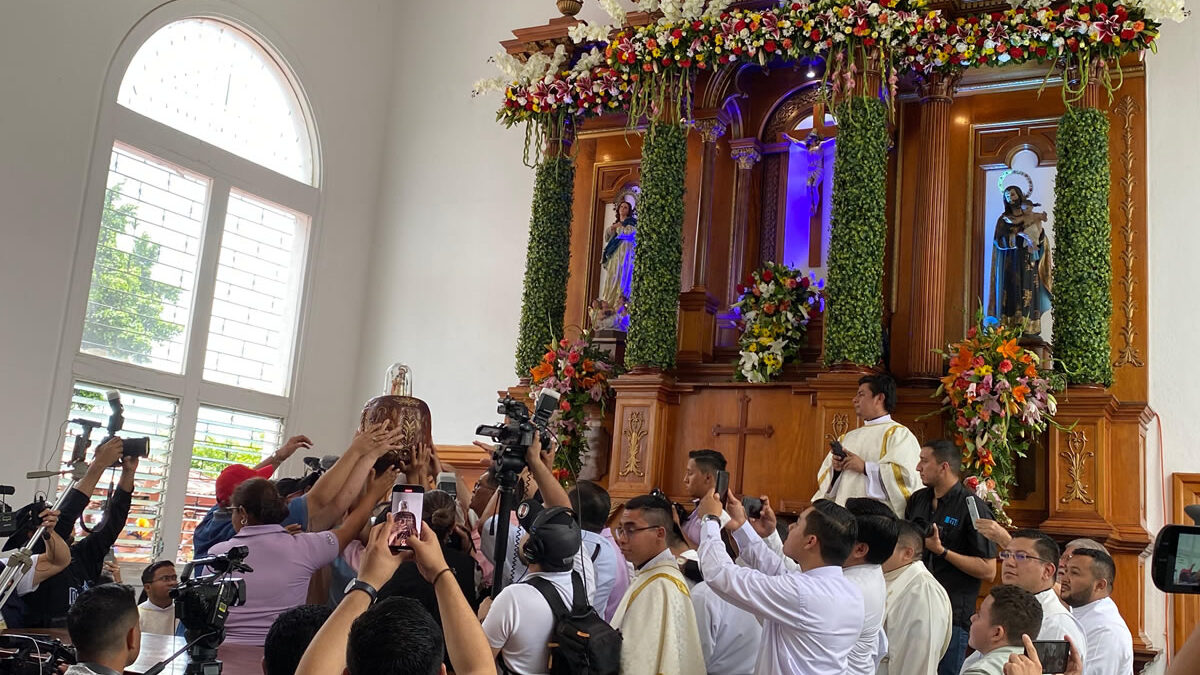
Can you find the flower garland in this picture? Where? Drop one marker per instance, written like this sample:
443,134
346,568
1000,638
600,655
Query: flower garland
998,401
909,38
775,304
580,372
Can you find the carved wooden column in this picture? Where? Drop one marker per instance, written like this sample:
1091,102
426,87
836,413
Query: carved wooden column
928,314
643,433
697,307
746,153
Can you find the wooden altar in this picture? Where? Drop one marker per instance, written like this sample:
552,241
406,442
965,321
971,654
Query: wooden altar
947,133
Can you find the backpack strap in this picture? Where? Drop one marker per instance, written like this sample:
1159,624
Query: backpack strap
550,592
580,604
596,553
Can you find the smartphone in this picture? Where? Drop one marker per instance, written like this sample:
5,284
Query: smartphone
973,510
1175,563
722,484
448,482
1053,654
835,446
753,506
407,503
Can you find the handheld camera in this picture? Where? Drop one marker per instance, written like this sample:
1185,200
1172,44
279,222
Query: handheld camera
516,434
202,604
130,447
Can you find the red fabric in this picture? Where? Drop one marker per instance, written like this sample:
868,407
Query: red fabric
234,475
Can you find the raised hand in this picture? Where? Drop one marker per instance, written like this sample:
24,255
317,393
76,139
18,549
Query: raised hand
766,522
109,453
428,553
378,561
736,511
293,444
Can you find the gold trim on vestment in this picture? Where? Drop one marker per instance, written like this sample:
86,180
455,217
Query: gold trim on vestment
661,575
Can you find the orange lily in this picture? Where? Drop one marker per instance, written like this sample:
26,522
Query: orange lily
541,371
1019,392
1009,349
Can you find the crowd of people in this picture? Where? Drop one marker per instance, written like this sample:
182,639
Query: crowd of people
882,573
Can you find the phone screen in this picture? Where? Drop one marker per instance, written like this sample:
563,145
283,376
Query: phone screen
973,510
1053,654
1176,561
407,504
722,484
1187,560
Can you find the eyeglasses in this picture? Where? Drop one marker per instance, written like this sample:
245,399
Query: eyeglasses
625,531
171,579
1019,556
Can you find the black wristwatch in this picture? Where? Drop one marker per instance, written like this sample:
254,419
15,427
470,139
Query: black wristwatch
708,516
360,585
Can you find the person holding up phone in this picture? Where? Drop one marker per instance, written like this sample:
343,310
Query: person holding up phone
1007,615
1029,663
700,479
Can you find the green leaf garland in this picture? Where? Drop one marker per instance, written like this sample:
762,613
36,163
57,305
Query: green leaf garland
657,260
547,261
1082,296
854,309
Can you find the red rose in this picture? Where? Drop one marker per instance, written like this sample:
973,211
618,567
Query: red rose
563,342
685,63
769,45
741,289
961,422
787,43
977,361
805,282
972,332
749,280
973,482
1005,366
1100,8
549,357
767,275
791,283
1128,34
569,371
573,357
769,308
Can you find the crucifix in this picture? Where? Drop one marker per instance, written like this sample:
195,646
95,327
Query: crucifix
742,430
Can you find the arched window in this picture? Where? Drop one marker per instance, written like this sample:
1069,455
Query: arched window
201,206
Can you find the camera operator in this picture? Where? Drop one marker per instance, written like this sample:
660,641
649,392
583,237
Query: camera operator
957,554
283,563
47,607
44,566
103,624
397,635
540,466
593,504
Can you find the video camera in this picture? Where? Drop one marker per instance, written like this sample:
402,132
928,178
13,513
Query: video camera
202,604
34,655
517,433
1175,562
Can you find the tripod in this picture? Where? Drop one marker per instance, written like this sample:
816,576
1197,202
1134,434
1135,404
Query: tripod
508,480
21,561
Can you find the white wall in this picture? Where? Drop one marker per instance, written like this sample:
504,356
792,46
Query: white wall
1173,109
54,56
449,254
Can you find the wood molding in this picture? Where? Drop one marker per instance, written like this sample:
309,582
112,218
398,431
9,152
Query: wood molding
1185,615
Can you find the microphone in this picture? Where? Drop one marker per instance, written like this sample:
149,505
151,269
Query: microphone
37,475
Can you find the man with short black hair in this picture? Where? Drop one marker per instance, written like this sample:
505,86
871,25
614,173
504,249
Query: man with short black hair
157,611
397,636
699,479
1087,588
1007,613
655,617
1030,561
812,618
290,635
880,459
957,554
917,615
103,625
592,503
874,544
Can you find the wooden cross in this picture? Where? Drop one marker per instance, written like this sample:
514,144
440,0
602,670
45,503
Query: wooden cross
742,431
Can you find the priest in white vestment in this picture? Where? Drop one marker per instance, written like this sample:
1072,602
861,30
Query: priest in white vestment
1030,561
917,618
655,617
881,456
812,618
1087,588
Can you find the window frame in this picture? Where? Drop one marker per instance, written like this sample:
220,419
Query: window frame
226,171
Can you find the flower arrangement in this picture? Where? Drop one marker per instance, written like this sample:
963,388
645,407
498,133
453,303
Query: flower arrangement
775,304
580,372
619,73
998,401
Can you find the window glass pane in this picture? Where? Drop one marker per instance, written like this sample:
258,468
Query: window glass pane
223,437
143,278
145,416
250,334
211,80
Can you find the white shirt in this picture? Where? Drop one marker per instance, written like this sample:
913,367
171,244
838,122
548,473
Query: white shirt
810,620
25,586
516,570
1057,621
520,622
991,663
1109,642
729,636
157,620
872,644
602,553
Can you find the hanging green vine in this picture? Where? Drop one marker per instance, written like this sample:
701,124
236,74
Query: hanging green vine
547,261
654,301
854,307
1082,298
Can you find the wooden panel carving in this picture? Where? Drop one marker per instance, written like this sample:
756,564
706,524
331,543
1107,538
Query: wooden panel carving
838,426
1128,352
633,445
769,223
1076,456
1185,491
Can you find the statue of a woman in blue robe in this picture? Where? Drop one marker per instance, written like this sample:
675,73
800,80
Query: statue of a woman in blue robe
616,273
1021,264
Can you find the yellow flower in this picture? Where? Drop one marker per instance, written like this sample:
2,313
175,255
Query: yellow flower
983,370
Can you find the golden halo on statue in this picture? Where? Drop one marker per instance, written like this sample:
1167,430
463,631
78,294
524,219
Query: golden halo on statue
1028,181
629,194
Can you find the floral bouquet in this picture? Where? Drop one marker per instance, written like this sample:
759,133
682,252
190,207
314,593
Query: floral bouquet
775,304
999,402
580,372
